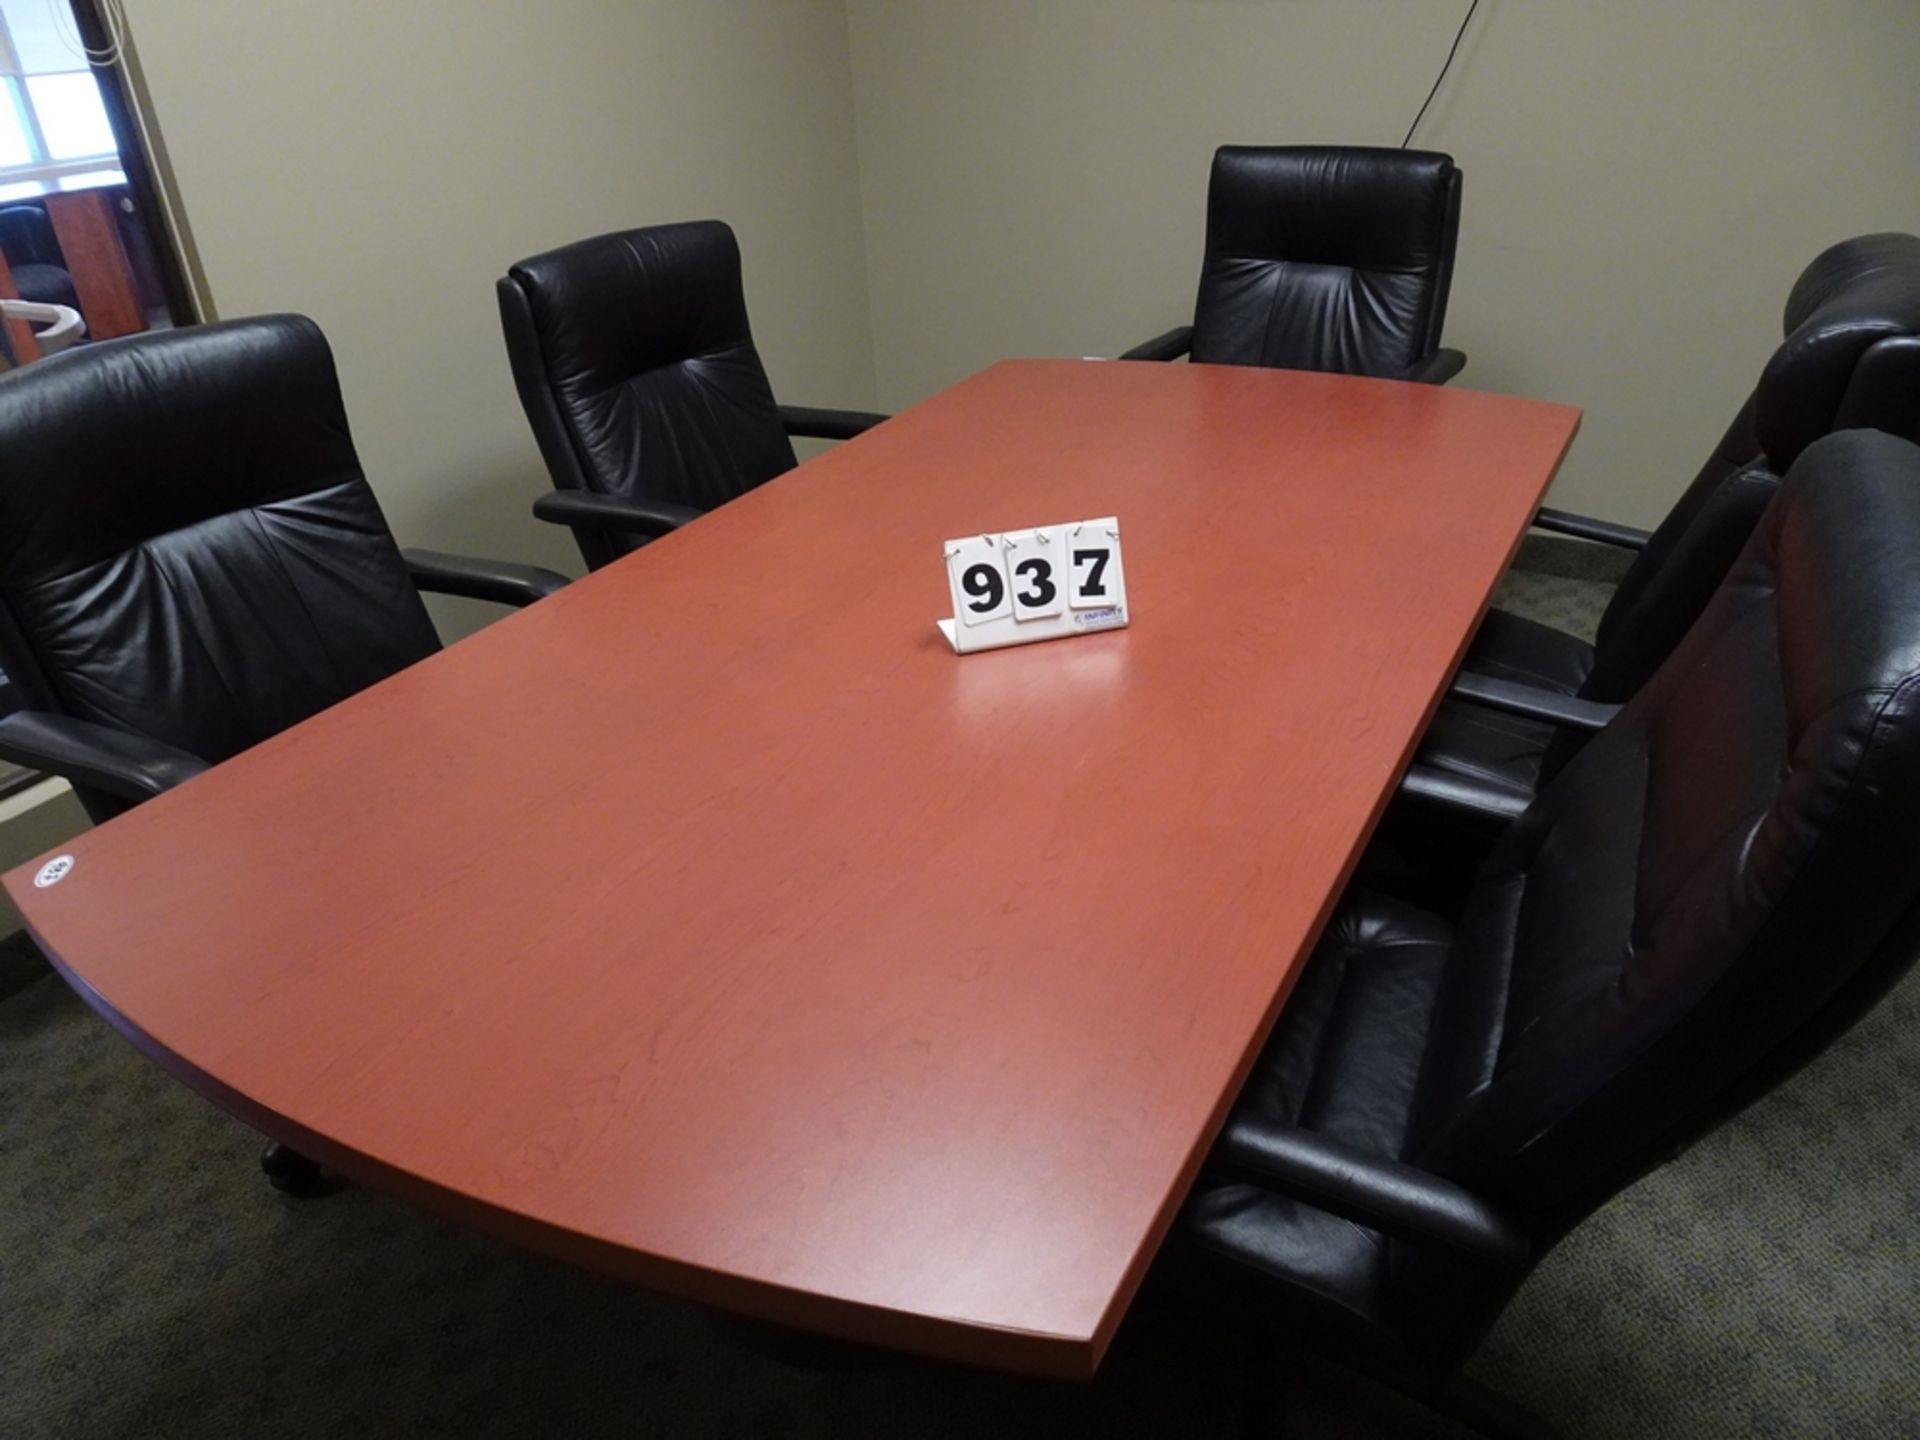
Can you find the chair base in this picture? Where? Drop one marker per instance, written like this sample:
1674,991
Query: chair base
801,1349
292,1173
1486,1412
1270,1377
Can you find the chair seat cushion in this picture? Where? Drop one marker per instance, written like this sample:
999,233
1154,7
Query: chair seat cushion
1481,760
1343,1061
1512,647
1490,761
45,285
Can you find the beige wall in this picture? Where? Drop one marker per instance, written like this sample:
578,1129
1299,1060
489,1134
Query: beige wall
923,186
1643,179
379,163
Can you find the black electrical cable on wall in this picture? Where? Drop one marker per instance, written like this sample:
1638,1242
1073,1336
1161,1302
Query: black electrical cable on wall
1439,79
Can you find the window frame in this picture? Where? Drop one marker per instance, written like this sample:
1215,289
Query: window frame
41,166
140,158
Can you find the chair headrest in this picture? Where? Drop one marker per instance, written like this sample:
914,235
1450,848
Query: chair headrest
1845,264
1360,206
1853,297
624,303
169,429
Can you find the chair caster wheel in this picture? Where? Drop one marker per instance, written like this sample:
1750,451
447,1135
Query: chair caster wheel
292,1173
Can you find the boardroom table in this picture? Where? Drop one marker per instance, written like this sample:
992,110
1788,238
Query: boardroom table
711,924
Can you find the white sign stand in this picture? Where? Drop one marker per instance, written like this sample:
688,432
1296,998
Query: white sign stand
1019,586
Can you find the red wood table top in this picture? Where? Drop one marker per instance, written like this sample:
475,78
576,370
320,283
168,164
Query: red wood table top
713,925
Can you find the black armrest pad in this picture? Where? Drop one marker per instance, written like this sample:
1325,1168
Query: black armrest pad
1587,528
1437,368
116,761
613,512
1170,346
1524,700
477,579
1387,1195
1487,807
827,424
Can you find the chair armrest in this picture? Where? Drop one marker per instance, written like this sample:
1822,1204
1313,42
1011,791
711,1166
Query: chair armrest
1532,704
613,512
1486,807
828,424
1437,368
1587,528
498,580
64,323
118,762
1170,346
1387,1195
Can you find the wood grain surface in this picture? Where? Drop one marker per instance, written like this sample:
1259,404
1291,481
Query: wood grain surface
713,925
89,234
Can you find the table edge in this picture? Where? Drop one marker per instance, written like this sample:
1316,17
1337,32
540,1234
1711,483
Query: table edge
969,1342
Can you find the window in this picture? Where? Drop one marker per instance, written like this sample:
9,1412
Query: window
66,105
52,122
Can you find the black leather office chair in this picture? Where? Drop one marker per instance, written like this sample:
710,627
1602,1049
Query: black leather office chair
1851,358
1325,258
33,255
191,560
635,363
1715,888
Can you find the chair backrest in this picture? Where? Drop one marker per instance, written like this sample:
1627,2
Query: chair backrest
26,236
188,547
1718,885
1850,360
637,369
1326,257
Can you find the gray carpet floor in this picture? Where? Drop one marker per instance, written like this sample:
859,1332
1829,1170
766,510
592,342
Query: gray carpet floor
152,1285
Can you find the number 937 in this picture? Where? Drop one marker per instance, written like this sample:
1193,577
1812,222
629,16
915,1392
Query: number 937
1052,579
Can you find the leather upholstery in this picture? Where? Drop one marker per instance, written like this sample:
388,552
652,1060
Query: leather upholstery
1343,1062
1512,647
189,550
1841,266
1326,258
1493,759
1851,299
635,363
33,255
1851,355
95,758
1712,890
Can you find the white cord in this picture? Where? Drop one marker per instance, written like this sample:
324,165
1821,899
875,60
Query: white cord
112,13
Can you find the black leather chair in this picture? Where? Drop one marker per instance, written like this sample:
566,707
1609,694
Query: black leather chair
1715,888
638,372
191,559
1325,258
1851,359
33,255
